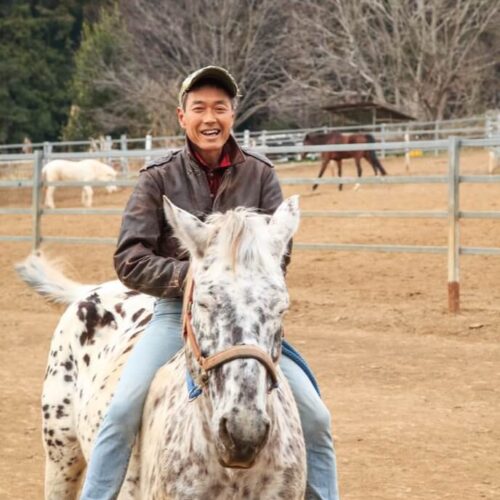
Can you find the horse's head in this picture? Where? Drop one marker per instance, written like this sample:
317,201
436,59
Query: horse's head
239,298
311,139
108,173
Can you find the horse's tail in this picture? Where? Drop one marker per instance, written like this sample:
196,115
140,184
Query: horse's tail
373,157
44,277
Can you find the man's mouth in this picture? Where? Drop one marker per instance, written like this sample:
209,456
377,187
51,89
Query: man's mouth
213,132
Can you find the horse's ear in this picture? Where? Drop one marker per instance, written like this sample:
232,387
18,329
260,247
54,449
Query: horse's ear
284,223
188,229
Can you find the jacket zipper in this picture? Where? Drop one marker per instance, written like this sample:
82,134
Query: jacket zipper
225,180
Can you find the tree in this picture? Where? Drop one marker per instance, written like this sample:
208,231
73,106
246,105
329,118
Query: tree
102,61
37,41
425,56
169,39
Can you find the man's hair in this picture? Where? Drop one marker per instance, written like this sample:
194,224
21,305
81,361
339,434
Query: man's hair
209,82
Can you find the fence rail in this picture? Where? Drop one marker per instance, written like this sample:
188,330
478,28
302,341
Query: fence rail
487,124
453,214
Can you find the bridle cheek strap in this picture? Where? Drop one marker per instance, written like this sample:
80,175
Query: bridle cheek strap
235,352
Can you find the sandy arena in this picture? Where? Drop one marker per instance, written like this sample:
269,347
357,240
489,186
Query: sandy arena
414,392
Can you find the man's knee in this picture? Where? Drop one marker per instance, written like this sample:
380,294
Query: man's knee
316,423
122,417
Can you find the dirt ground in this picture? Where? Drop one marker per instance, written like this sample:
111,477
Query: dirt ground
414,392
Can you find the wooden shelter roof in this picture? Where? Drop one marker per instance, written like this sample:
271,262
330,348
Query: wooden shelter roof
368,112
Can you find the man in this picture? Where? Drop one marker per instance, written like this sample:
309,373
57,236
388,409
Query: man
210,174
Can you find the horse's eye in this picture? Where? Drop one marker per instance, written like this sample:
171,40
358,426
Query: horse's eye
202,305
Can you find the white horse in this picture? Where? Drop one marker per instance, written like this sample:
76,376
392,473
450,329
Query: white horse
82,171
242,437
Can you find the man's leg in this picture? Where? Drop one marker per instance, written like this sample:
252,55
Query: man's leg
316,425
113,445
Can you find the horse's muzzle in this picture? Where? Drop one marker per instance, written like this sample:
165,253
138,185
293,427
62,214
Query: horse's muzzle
242,440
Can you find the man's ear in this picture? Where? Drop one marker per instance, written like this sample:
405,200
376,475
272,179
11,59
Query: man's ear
180,117
188,229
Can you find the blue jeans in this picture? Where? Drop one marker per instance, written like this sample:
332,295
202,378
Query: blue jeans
159,343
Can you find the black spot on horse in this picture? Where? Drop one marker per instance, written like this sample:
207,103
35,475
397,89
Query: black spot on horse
145,320
107,319
237,334
137,314
94,298
119,309
131,293
89,315
86,359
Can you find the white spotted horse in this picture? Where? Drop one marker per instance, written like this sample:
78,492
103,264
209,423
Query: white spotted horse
242,437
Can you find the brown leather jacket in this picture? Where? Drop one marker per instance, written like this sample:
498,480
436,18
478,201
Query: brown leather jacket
148,258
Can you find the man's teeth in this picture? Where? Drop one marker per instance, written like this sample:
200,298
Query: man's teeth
210,132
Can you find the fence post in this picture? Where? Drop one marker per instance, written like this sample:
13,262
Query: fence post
453,225
36,195
407,152
382,139
47,150
263,138
436,137
124,159
148,144
108,141
246,138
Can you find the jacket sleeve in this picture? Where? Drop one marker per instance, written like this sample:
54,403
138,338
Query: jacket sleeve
136,258
270,199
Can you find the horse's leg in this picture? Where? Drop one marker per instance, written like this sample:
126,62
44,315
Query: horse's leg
339,171
64,460
49,197
325,159
357,159
87,192
62,478
375,163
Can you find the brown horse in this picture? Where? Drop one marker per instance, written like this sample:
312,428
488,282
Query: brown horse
316,139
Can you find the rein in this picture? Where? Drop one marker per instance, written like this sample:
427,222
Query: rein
234,352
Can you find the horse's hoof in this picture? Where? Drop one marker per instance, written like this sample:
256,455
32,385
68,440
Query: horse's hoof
356,187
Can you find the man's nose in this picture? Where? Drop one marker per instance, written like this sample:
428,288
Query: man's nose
209,116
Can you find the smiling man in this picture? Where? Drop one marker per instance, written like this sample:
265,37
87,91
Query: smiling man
210,174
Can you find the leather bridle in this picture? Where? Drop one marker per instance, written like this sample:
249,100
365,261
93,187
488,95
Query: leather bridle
234,352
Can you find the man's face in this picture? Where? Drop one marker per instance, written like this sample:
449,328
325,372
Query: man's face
208,118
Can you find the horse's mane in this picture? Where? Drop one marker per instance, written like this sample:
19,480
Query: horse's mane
241,236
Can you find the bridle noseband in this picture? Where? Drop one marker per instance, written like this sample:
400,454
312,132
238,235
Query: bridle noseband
234,352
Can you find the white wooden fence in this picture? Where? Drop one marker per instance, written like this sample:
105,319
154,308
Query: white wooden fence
453,214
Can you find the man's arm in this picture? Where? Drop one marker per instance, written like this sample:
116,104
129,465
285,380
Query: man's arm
136,258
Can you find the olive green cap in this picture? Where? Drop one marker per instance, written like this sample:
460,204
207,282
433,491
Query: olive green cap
216,73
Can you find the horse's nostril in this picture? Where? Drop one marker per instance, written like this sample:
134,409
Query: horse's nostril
224,434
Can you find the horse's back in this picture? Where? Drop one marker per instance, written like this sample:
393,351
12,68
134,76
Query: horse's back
100,171
84,170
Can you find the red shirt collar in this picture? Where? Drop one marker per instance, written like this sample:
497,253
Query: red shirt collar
224,160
